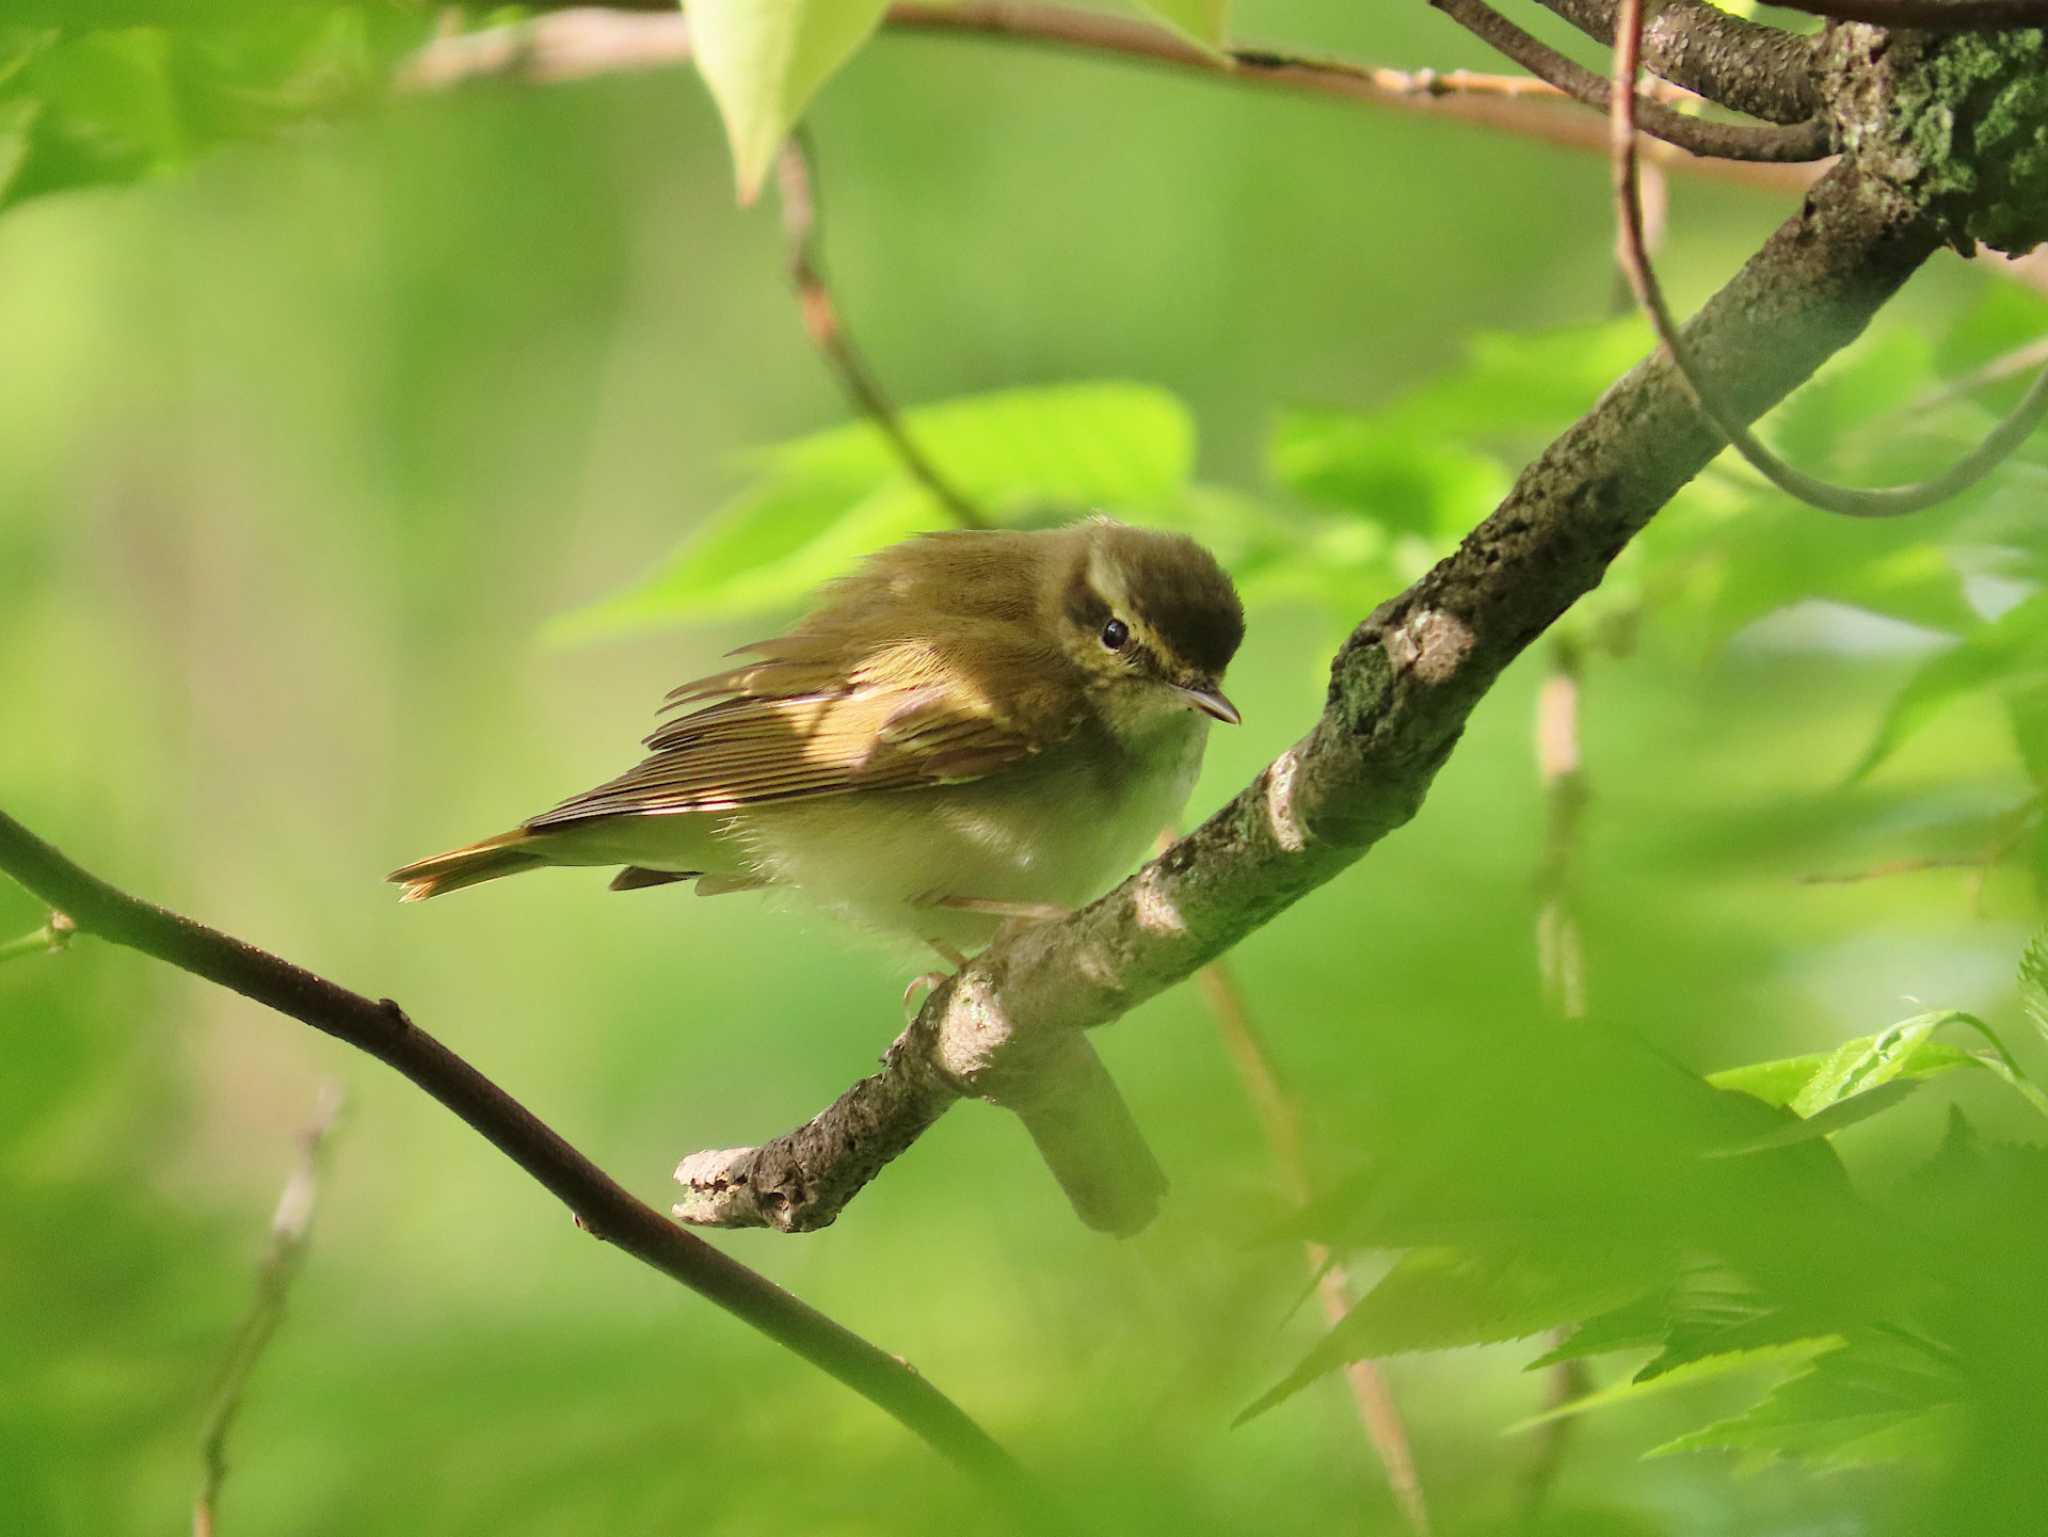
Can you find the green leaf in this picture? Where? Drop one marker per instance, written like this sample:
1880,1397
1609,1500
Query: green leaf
1405,481
1704,1369
764,60
1862,1076
1877,1399
2034,980
1204,21
1441,1298
2009,652
820,503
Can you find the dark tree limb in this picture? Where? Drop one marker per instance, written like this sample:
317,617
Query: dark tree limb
600,1204
1730,421
1700,136
1400,690
1741,64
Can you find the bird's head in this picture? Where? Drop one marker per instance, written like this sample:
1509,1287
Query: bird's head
1151,620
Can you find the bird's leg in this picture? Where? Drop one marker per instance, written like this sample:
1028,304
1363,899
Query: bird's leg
1033,912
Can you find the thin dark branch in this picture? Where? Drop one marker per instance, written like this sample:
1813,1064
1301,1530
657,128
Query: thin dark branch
51,938
290,1227
1849,501
1741,64
600,1204
1933,15
583,41
797,183
1728,141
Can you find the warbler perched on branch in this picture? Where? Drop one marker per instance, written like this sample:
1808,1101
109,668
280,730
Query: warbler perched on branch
971,727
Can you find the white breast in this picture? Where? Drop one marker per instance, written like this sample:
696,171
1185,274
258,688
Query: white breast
1050,831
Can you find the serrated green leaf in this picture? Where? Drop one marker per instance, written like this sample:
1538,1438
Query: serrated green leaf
819,503
2034,980
764,60
1705,1369
2011,651
1876,1399
1204,21
1442,1298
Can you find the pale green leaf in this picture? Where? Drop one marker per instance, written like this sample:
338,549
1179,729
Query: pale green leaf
819,503
1405,481
1706,1368
1442,1298
2011,651
1877,1399
2034,980
764,60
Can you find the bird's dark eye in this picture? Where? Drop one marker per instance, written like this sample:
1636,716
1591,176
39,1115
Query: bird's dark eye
1115,633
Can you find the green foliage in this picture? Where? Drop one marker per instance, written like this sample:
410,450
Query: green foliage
817,504
81,104
1821,1281
764,63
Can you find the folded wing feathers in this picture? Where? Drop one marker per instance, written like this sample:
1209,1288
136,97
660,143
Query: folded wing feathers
799,723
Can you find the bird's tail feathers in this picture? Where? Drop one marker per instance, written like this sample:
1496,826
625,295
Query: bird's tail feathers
506,854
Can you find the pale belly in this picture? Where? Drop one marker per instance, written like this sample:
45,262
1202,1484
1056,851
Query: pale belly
1051,831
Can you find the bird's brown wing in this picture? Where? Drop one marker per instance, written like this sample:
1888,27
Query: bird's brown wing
803,722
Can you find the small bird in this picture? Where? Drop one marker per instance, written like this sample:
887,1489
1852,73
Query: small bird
972,727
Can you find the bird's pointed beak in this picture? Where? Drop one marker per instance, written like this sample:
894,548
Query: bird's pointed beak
1208,698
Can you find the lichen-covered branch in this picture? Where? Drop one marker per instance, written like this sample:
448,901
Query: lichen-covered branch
1400,691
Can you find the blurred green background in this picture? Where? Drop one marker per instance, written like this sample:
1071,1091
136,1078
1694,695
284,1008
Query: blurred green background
303,447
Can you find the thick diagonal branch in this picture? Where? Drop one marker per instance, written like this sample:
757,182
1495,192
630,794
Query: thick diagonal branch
1400,689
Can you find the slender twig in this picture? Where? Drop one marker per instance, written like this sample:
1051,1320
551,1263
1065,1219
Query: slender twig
2012,826
1883,502
582,41
1561,960
290,1226
1937,15
2010,365
797,182
601,1205
52,937
1700,136
1560,771
1280,1119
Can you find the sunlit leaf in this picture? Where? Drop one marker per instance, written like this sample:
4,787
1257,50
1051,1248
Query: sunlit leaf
818,504
764,60
1439,1298
1878,1398
1403,481
1707,1368
2011,651
2034,980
